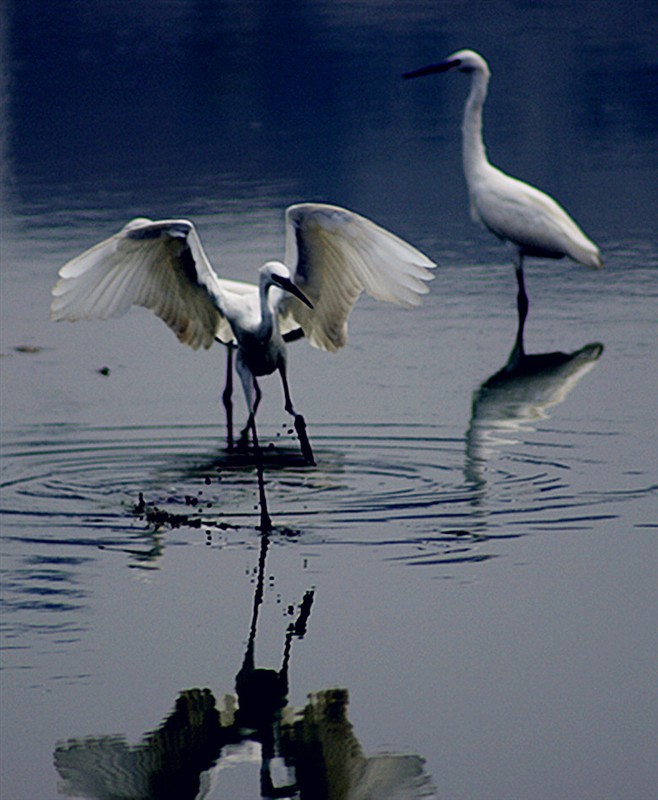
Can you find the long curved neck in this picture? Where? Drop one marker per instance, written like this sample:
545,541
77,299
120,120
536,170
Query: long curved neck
266,326
474,154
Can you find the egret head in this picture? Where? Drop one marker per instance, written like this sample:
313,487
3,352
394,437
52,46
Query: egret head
463,60
274,273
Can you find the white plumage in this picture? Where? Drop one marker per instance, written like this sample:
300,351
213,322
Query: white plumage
531,221
331,256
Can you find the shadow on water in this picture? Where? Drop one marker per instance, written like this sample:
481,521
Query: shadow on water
309,753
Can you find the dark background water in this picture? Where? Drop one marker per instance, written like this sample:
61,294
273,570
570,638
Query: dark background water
483,563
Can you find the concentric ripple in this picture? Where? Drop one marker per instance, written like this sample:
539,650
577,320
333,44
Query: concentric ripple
373,484
74,498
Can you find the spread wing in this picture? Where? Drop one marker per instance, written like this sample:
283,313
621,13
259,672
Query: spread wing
159,265
334,255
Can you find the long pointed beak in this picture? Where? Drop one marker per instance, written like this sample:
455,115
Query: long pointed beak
432,69
289,286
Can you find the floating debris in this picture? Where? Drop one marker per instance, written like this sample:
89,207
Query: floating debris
28,348
159,518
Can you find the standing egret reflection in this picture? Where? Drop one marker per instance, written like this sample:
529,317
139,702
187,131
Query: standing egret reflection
331,256
527,218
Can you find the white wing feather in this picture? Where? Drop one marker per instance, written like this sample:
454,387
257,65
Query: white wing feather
158,265
334,255
516,211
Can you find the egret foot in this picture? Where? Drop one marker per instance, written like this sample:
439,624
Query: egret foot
307,451
242,442
228,405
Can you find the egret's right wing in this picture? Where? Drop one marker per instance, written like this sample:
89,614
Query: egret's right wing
334,255
528,217
159,265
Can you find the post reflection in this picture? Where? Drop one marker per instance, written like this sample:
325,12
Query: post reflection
308,753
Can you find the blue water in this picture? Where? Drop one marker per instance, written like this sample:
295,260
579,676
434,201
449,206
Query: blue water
470,569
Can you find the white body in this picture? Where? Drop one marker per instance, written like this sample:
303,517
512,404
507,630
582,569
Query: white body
511,209
531,221
331,255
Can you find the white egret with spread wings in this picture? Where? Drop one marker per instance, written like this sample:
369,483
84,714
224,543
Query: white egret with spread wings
331,256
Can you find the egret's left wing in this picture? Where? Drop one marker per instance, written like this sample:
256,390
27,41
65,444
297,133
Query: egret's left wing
160,265
334,255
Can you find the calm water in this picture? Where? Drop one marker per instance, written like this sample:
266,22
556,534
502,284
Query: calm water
461,596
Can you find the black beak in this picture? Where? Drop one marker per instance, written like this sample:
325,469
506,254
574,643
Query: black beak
432,69
289,286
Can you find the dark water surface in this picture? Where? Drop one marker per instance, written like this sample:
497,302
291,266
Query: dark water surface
461,596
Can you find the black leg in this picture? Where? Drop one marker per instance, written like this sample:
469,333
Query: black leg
522,302
299,421
243,441
252,395
304,443
265,521
518,351
227,396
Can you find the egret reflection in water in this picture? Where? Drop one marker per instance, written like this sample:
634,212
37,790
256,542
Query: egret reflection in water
519,395
181,760
308,753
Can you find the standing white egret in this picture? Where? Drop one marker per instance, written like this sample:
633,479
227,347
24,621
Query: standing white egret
333,255
531,221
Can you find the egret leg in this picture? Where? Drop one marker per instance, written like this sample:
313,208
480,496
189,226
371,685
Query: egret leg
265,520
227,396
299,421
522,305
252,404
253,396
522,302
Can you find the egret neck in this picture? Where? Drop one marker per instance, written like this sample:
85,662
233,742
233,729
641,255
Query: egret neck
474,153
